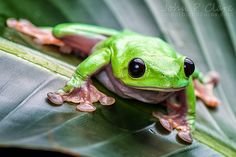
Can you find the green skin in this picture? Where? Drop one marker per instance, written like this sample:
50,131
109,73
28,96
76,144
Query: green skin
164,66
111,51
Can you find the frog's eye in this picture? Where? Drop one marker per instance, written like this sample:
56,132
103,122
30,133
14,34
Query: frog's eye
188,67
136,67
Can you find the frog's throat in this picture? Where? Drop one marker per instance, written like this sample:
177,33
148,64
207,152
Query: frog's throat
159,89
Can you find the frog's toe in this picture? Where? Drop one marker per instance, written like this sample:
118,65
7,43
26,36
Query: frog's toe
212,77
205,91
55,98
166,123
183,127
185,136
86,107
106,100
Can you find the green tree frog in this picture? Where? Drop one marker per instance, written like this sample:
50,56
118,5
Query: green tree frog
133,66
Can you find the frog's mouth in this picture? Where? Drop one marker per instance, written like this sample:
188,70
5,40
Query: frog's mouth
161,89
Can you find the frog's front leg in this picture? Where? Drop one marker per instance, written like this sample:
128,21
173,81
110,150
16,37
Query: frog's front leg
204,88
181,113
84,96
79,88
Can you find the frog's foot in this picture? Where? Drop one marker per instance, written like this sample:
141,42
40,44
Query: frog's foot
205,91
84,96
40,36
176,119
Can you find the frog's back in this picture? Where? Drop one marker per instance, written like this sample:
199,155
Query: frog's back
132,43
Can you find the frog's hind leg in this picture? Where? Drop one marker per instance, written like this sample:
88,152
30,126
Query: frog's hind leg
204,90
82,37
70,37
42,36
79,40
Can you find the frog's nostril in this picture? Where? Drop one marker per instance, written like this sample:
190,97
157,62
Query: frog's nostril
189,67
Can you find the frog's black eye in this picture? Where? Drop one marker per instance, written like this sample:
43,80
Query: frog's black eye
136,68
188,67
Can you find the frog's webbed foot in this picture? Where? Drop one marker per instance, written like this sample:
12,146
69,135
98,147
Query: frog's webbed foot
176,119
204,91
40,36
84,96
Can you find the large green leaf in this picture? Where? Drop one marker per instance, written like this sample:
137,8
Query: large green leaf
126,129
28,120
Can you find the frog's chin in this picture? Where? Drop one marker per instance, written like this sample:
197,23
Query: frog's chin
160,89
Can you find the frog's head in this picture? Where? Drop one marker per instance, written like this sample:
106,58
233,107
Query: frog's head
153,65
